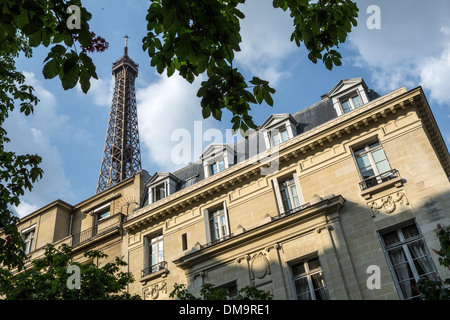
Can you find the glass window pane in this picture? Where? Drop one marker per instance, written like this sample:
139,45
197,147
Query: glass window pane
284,135
363,162
313,264
397,256
383,167
276,139
298,269
357,101
302,288
410,231
374,144
346,106
378,155
391,238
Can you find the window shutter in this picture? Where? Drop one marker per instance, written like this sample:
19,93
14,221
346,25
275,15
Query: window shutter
276,187
298,188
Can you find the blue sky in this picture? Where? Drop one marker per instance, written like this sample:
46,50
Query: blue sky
68,128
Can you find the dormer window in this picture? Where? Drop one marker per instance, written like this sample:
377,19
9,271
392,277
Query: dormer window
161,185
351,103
279,136
217,166
216,158
278,128
348,95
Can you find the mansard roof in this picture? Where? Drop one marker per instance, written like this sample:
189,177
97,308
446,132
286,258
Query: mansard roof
304,120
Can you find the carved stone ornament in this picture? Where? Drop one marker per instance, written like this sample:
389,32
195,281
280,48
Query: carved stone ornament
388,204
152,292
259,266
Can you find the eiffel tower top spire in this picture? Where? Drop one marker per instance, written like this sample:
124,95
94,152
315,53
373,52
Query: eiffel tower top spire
121,155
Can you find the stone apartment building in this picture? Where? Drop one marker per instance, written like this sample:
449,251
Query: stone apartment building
340,200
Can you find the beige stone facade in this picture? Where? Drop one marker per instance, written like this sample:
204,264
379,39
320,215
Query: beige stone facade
240,226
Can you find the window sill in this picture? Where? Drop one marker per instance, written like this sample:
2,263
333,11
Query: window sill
161,273
367,193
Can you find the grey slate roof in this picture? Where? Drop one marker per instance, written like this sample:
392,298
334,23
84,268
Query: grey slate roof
307,119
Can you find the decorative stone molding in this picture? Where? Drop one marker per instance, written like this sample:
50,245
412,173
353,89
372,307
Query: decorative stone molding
259,266
152,292
325,227
388,204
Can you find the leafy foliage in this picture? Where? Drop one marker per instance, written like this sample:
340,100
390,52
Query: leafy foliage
47,278
211,292
25,24
17,172
198,36
437,289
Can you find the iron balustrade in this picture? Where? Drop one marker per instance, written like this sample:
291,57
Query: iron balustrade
376,180
84,235
294,210
103,226
213,242
154,268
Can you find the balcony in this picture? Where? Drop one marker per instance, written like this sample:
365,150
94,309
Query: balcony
157,270
103,228
380,182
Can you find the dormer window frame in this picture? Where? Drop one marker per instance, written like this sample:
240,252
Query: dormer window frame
162,185
275,125
220,155
350,99
344,91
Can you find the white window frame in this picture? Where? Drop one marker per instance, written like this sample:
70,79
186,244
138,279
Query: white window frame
350,98
102,213
368,151
224,227
220,164
156,240
403,244
29,241
276,184
308,275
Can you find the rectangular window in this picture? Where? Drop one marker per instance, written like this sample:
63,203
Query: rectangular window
156,254
159,192
308,280
191,181
351,103
218,166
408,258
279,136
184,243
372,164
288,194
218,224
28,238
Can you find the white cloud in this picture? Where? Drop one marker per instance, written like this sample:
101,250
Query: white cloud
435,76
167,105
32,135
101,91
266,41
411,47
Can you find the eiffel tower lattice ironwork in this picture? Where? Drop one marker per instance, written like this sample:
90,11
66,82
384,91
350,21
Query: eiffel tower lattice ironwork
121,155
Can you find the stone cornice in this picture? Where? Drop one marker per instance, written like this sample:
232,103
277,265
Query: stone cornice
304,143
324,207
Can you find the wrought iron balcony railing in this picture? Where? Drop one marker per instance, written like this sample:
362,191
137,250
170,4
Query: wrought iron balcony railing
293,210
154,268
213,242
102,227
376,180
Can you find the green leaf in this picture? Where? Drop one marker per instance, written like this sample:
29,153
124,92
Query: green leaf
84,80
51,69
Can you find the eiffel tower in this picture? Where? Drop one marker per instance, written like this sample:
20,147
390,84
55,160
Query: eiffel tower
121,155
